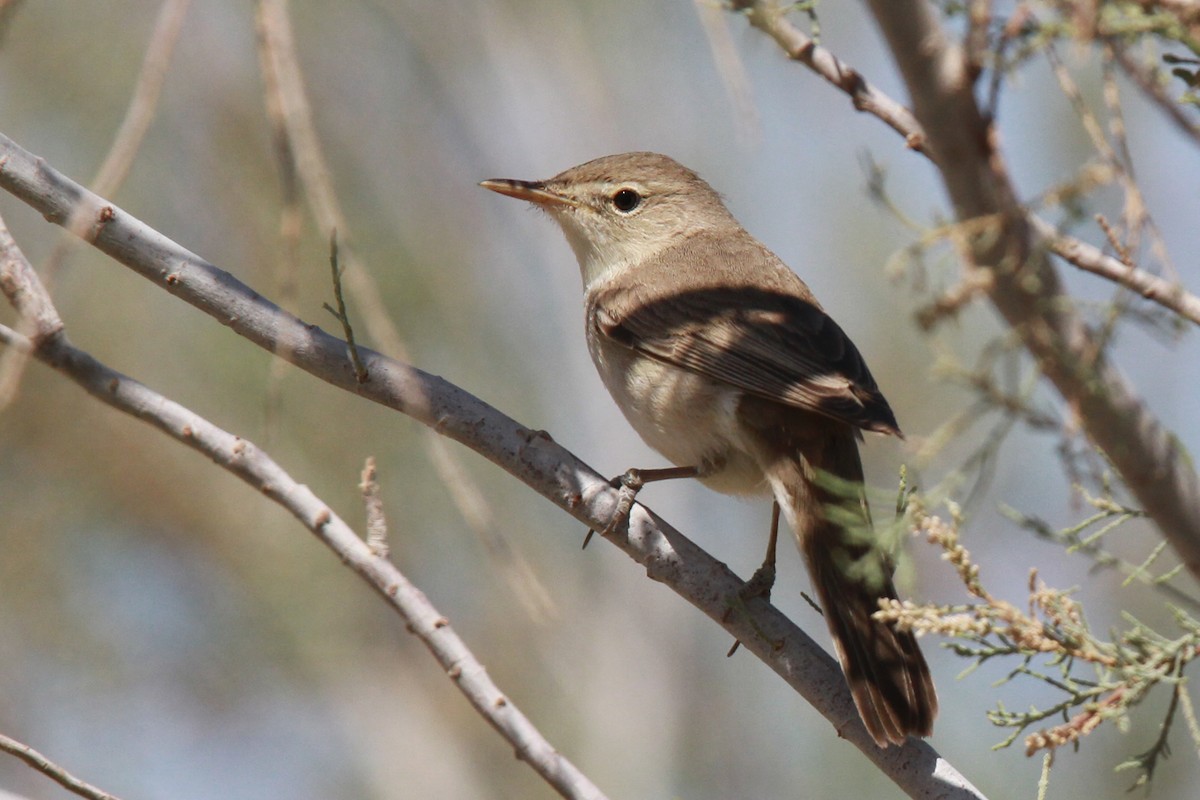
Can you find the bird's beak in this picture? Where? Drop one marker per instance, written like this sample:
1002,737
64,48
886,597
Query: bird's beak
532,191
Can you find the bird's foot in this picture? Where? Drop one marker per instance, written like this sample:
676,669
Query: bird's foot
629,483
759,586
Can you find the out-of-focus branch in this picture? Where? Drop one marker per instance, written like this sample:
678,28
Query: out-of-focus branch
1148,83
8,10
528,455
242,458
727,60
116,164
300,147
1026,290
1091,259
767,16
144,103
51,770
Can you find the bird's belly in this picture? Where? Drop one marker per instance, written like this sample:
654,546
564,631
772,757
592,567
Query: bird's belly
690,419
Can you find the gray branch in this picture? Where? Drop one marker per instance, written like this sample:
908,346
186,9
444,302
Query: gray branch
531,456
250,463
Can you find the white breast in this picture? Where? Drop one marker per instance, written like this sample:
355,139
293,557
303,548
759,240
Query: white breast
688,418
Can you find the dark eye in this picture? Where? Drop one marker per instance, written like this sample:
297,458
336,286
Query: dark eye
626,200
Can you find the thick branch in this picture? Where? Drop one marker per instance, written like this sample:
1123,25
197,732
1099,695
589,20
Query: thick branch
1147,456
1026,290
532,457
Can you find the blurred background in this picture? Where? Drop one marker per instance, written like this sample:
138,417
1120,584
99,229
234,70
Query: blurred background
166,632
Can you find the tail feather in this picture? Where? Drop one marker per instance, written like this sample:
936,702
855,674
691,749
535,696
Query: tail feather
885,669
887,673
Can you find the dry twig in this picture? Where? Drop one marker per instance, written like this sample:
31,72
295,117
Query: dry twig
53,771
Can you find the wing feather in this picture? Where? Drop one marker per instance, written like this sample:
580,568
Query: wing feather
766,341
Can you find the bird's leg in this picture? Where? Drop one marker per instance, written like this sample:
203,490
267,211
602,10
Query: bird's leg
631,482
763,579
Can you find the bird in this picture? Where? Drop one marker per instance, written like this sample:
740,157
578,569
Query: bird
722,360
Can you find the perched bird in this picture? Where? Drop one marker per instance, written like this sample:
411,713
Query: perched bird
723,361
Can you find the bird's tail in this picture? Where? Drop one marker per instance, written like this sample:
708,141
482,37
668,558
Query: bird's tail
887,673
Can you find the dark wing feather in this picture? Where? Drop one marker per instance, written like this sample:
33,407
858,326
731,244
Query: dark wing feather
769,343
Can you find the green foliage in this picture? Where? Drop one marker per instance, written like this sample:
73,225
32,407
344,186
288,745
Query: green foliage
1099,678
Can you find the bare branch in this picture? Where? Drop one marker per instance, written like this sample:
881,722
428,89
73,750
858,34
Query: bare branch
528,455
1091,259
53,771
1027,291
242,458
769,18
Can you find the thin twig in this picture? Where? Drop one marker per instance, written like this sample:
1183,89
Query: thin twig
538,461
1091,259
340,313
377,531
53,771
769,18
1116,155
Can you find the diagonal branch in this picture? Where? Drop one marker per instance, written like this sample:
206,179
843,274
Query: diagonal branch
1026,289
52,770
768,17
1091,259
248,462
528,455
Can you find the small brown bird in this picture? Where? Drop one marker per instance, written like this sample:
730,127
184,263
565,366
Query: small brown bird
723,361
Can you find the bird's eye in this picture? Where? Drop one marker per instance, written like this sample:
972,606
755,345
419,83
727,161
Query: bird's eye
626,200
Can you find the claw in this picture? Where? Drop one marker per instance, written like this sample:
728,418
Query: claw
629,484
